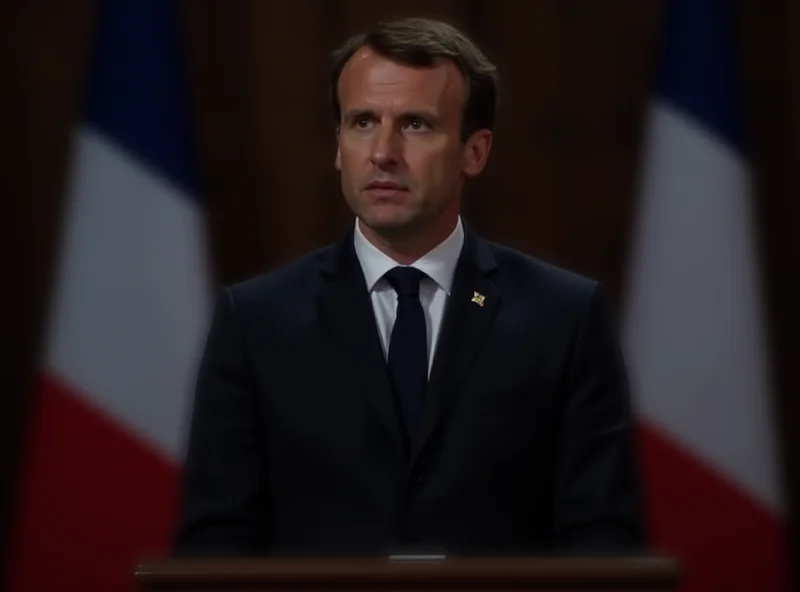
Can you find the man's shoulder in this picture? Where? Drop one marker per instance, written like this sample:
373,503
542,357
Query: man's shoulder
289,280
562,297
528,272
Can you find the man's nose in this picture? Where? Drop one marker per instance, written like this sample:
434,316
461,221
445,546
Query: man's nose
385,147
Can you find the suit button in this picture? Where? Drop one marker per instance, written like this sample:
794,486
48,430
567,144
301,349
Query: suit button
420,480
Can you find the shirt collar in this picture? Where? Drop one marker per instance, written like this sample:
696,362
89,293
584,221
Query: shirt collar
439,263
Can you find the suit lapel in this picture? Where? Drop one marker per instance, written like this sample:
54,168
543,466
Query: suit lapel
468,316
345,311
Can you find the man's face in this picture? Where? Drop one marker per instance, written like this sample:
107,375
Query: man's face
400,154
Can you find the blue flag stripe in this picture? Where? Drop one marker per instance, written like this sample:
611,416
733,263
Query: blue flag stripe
136,91
698,73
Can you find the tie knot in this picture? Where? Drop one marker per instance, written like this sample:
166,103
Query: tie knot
405,280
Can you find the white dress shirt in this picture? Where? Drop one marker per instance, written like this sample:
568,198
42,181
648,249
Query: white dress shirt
439,264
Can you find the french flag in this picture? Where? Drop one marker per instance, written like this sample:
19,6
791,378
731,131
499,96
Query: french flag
695,326
129,311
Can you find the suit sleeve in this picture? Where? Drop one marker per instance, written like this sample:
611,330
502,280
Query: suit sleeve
224,495
598,497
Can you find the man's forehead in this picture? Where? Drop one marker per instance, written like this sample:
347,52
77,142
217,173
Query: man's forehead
370,73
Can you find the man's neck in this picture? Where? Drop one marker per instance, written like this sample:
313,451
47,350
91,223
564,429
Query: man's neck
407,249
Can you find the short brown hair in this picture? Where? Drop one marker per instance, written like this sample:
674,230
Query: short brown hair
420,42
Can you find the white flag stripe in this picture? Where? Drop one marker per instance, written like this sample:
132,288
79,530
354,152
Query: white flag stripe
131,302
694,334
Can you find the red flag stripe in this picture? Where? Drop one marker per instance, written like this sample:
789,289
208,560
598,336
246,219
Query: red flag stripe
726,540
95,500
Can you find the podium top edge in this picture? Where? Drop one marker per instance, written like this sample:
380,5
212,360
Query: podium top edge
651,572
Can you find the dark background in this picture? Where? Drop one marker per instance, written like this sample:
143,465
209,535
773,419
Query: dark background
576,78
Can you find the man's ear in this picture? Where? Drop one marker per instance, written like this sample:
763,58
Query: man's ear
476,152
338,161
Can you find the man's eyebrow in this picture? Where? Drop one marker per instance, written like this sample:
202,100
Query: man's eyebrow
410,114
353,113
421,114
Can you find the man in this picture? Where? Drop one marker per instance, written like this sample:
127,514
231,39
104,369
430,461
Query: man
413,387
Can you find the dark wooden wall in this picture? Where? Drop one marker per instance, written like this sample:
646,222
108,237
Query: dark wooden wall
575,77
44,45
561,182
769,40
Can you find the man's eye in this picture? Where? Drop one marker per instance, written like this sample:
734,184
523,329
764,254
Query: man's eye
362,122
417,124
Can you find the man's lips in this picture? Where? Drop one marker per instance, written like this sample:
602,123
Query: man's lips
386,186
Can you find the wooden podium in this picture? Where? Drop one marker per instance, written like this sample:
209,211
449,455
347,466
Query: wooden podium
400,574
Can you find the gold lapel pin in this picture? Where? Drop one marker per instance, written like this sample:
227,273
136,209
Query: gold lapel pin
478,298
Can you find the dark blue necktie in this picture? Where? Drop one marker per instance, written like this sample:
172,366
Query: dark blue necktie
408,346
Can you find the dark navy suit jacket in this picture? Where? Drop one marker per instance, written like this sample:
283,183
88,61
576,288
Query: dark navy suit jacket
528,446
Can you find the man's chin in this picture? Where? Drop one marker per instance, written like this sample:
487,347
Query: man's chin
389,224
